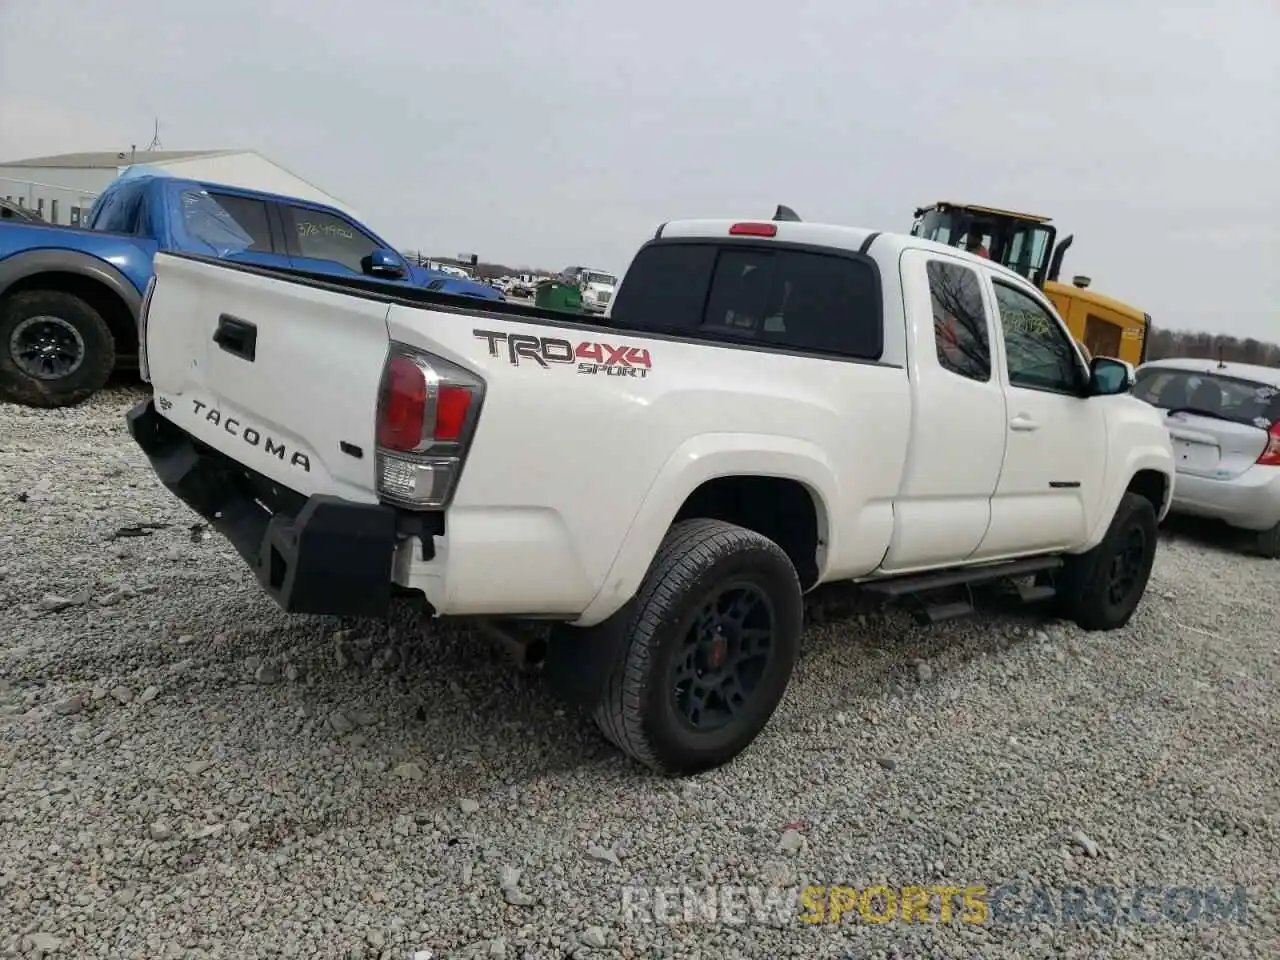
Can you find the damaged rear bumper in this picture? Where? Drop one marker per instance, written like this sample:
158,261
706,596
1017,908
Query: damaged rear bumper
317,555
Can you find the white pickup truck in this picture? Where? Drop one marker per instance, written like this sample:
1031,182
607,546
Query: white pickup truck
767,406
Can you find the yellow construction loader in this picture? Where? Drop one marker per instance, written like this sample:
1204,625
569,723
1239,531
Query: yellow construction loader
1026,244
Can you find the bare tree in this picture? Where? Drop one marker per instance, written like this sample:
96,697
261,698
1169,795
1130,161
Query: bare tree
1163,343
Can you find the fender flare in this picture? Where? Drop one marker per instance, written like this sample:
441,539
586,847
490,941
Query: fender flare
20,266
1145,457
711,456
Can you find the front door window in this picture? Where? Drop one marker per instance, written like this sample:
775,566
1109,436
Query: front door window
1038,352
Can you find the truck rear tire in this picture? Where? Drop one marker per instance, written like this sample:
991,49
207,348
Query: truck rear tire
708,652
55,349
1100,589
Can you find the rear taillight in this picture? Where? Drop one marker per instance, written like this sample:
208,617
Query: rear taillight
1271,456
427,411
453,403
403,409
144,370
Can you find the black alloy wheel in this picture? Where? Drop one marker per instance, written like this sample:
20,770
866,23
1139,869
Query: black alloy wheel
724,656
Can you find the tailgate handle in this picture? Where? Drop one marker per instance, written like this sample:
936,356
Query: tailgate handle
237,337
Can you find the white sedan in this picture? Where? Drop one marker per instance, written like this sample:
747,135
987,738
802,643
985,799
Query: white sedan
1224,421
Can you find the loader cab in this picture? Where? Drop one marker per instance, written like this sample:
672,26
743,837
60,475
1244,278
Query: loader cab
1028,245
1022,242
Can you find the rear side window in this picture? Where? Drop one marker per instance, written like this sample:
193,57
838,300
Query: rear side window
1216,395
767,294
250,215
959,320
209,224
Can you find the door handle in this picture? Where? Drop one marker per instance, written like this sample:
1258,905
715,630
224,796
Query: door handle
238,337
1023,423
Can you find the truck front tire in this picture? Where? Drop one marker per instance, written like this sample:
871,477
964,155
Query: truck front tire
55,349
710,645
1100,589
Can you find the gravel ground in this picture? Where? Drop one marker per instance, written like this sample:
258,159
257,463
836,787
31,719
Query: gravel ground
187,772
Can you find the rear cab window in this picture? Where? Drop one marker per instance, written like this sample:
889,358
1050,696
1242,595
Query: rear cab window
767,294
1218,395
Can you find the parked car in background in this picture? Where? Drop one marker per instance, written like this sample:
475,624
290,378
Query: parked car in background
70,296
12,211
450,269
1224,421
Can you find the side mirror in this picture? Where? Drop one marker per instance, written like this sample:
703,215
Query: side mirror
1109,377
383,263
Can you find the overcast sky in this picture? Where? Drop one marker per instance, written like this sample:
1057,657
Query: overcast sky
552,132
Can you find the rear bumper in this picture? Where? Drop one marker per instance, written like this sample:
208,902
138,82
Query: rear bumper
318,555
1251,501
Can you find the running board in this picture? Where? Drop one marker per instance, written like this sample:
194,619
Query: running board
916,583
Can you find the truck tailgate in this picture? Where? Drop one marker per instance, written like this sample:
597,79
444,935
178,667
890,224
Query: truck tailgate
280,376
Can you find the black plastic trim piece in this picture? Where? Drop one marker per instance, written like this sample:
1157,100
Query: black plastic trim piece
317,555
34,262
898,586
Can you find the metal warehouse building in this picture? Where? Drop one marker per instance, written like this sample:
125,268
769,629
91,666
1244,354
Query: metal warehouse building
62,189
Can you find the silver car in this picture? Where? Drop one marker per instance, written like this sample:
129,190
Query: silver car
1224,421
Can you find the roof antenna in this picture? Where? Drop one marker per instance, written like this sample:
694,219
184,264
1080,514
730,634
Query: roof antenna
786,213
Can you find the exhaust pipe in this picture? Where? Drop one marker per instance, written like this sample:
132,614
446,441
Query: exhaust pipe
1055,262
528,651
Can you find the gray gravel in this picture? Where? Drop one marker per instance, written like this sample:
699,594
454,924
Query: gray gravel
187,772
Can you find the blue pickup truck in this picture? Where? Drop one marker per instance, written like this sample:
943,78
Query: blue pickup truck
70,296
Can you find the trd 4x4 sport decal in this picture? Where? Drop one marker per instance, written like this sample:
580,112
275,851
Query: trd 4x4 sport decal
590,356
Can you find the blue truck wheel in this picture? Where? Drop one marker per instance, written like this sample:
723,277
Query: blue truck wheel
55,349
